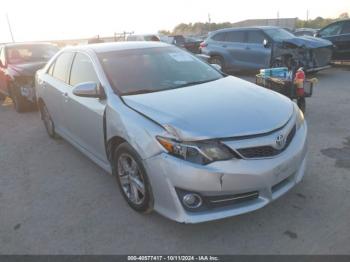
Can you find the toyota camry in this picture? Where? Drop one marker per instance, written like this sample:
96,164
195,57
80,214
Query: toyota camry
181,137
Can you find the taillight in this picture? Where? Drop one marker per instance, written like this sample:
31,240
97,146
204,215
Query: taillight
203,44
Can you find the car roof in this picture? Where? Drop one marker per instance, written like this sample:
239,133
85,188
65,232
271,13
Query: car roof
118,46
245,28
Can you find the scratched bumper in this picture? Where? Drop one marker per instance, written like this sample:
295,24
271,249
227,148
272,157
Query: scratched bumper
271,178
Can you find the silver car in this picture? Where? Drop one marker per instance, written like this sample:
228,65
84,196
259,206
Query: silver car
180,137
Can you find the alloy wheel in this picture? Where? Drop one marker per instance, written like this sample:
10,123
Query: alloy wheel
131,179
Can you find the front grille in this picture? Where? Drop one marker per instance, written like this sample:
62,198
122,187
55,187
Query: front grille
226,200
266,151
322,56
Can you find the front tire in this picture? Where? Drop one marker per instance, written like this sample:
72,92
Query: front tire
132,178
48,122
218,60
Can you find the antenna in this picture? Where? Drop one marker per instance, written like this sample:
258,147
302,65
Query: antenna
8,22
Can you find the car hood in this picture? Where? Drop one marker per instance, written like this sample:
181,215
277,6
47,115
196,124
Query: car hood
27,69
227,107
308,42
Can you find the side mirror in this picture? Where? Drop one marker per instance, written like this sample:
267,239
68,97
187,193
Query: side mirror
216,66
266,43
88,89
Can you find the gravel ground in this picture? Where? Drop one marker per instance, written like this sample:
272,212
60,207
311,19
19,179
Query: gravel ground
53,200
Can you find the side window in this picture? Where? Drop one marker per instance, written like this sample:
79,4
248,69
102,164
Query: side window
50,71
235,36
219,37
2,56
255,37
62,66
332,30
82,70
346,28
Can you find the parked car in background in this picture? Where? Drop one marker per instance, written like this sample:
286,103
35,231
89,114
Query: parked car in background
339,34
178,40
253,48
305,32
179,136
142,38
192,44
18,64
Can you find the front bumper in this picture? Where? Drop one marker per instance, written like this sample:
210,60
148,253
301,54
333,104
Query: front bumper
271,178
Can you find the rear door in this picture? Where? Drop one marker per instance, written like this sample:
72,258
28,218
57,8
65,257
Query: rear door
84,116
257,55
235,45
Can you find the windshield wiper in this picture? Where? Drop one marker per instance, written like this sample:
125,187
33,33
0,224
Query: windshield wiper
196,83
140,91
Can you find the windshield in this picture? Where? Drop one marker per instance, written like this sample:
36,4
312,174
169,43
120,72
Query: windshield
30,53
279,34
154,69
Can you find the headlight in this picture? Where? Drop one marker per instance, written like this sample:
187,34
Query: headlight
300,118
196,152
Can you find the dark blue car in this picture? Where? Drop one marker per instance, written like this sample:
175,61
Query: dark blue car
339,34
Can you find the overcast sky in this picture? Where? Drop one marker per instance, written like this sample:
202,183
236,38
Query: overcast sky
64,19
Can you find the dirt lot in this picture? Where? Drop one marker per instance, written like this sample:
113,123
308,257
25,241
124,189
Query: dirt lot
53,200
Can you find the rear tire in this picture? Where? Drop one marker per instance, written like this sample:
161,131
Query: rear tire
2,97
132,178
19,102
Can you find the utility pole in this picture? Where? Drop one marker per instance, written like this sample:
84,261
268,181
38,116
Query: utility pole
209,20
8,22
307,15
278,17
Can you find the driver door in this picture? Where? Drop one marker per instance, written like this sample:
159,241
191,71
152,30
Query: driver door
84,116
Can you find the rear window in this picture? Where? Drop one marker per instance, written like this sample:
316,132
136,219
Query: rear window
30,53
219,37
255,37
62,66
235,36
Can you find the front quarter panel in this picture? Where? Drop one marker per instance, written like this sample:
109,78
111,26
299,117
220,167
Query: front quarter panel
136,129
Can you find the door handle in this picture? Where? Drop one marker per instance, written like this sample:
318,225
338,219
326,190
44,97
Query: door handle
66,97
224,46
247,48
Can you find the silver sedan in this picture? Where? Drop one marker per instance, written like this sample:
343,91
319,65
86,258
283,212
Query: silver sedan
181,138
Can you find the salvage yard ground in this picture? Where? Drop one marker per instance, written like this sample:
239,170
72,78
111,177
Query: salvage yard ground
53,200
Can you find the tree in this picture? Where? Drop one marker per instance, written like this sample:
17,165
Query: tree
344,15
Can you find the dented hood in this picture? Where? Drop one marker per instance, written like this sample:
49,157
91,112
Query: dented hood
308,42
226,107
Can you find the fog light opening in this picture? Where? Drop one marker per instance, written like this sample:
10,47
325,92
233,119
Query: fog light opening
192,200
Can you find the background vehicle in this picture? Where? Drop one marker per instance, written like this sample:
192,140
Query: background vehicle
18,64
253,48
142,38
339,34
305,32
192,44
178,40
165,124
